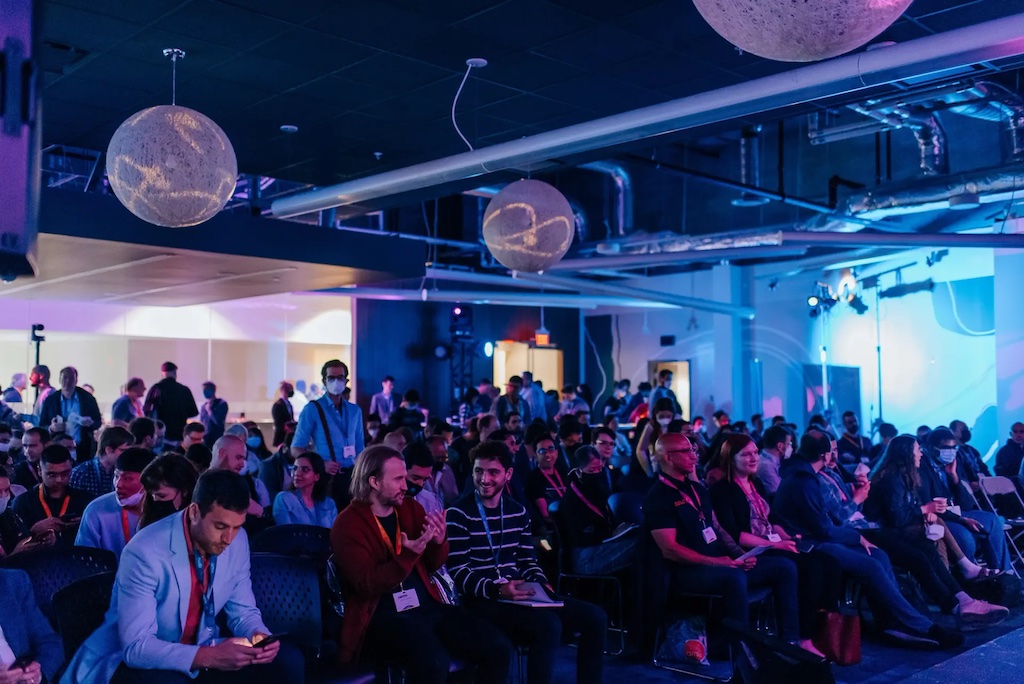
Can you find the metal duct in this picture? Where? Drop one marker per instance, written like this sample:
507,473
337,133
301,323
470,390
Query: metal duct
520,299
911,240
931,138
1004,179
750,167
984,42
623,193
997,103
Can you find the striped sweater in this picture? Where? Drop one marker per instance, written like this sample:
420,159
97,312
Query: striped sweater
471,560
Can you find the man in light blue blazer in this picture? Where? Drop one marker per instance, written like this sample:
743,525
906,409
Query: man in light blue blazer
175,577
26,632
330,425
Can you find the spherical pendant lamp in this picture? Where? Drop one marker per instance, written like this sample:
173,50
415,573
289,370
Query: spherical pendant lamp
170,165
528,226
804,31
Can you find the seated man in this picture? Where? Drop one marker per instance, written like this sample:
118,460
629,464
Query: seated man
229,453
801,507
545,486
110,521
96,476
974,529
52,508
385,549
27,637
492,557
26,473
175,577
701,555
777,448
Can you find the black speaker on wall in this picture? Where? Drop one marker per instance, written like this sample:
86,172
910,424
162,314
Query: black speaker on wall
668,340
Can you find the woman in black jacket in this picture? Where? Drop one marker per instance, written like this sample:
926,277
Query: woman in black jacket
740,505
894,504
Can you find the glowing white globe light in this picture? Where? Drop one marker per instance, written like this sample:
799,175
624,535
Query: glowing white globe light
528,226
171,166
804,31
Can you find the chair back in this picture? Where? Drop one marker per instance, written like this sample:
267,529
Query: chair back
302,541
997,485
79,609
627,507
54,568
287,592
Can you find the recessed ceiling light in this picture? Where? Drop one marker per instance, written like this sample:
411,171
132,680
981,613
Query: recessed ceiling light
289,128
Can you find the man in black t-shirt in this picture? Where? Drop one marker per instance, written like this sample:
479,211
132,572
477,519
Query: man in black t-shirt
52,509
173,403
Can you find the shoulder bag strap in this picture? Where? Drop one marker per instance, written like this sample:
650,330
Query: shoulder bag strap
327,429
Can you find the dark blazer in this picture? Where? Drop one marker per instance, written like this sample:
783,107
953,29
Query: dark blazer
89,408
894,504
26,630
281,412
370,570
732,507
800,506
1009,458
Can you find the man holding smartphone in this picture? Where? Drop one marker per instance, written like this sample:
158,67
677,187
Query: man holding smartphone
175,577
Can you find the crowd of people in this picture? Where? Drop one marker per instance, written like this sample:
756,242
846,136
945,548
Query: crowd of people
446,538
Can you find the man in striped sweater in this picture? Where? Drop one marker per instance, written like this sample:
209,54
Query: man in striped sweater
490,558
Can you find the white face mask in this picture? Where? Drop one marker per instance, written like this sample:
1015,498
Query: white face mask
336,387
789,451
664,422
5,447
133,500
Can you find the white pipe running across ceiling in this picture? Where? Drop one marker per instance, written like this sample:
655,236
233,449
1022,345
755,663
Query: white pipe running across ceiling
984,42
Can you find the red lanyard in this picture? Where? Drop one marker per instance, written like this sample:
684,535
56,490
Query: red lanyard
697,506
204,581
46,506
559,487
586,501
127,531
757,504
387,540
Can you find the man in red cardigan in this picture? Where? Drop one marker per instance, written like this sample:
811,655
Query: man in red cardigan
385,547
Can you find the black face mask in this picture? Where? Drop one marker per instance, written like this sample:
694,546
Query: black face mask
413,489
595,484
965,435
438,466
158,510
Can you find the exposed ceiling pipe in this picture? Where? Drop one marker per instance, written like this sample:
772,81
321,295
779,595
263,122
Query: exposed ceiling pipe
983,185
931,138
750,167
670,258
452,275
984,42
623,192
997,103
593,286
911,240
520,299
457,244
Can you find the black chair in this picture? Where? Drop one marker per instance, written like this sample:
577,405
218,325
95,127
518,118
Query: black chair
54,568
302,541
80,607
627,507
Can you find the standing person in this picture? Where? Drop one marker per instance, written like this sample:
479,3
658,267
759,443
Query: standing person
492,557
13,394
72,410
282,412
307,503
128,406
570,403
533,393
664,391
175,577
172,403
383,403
333,428
213,414
40,379
111,520
386,548
512,402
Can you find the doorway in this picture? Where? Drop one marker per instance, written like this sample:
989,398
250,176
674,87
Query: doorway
680,381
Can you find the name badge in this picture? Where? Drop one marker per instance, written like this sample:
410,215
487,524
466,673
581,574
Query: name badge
709,535
406,600
774,538
955,510
349,452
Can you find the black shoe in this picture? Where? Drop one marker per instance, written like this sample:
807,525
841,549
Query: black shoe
946,638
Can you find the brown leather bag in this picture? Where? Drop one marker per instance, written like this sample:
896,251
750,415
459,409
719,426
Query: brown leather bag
838,637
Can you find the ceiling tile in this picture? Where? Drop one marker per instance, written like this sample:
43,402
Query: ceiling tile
527,71
397,73
220,24
136,12
530,109
450,11
314,51
603,9
376,24
343,92
597,47
527,23
66,27
451,46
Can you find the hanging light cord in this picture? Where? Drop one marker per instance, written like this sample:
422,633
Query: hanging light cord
455,102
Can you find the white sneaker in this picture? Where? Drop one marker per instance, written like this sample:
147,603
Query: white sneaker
977,611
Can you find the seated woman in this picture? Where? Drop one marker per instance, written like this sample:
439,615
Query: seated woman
738,499
587,520
307,503
168,482
894,504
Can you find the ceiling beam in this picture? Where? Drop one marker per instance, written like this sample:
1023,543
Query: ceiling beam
530,299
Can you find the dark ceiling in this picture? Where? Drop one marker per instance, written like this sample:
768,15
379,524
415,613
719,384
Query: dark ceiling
363,77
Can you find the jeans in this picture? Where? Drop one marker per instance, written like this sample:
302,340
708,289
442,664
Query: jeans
606,559
733,585
875,575
919,556
541,630
992,546
288,666
424,640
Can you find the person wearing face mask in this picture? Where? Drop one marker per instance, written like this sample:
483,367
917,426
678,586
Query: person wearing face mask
663,390
168,482
8,490
213,414
110,521
419,464
172,402
282,412
664,411
252,460
778,446
333,428
975,530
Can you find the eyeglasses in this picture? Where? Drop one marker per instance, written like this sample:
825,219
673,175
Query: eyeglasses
604,443
337,377
541,452
691,450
